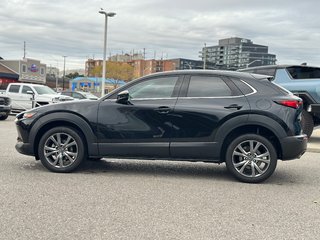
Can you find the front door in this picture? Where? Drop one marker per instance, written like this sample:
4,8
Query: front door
142,127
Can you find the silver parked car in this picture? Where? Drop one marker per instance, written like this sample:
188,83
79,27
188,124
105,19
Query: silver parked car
78,95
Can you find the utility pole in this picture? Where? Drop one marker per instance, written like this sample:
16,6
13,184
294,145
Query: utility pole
57,78
64,71
205,56
24,49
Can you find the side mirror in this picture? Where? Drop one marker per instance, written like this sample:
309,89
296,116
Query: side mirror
123,97
30,92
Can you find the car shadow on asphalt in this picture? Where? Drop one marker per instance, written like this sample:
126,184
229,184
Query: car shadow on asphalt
156,168
159,168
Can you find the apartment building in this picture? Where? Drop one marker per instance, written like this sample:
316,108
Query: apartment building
235,53
90,65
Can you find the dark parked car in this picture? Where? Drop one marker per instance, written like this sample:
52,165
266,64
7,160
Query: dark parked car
5,107
241,119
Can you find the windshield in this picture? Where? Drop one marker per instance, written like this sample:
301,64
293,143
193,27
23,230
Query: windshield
44,90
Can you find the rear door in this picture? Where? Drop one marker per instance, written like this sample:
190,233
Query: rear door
206,101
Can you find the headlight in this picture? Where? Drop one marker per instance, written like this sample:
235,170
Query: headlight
55,99
29,114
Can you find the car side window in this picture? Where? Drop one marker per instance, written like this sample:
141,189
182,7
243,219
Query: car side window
14,88
244,88
66,94
208,86
161,87
25,89
77,95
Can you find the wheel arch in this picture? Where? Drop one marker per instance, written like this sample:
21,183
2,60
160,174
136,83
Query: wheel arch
66,120
265,126
253,129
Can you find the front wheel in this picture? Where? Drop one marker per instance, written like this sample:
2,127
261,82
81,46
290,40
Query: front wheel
61,149
251,158
4,116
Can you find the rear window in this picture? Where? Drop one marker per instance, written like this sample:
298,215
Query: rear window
208,86
244,87
298,72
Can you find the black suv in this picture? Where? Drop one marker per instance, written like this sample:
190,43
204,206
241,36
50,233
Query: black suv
241,119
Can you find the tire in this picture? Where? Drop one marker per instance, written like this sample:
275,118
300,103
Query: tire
245,164
61,149
4,116
307,123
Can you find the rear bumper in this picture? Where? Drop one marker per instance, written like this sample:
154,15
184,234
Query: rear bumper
314,108
293,147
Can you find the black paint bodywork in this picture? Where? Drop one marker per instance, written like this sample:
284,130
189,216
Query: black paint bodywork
182,128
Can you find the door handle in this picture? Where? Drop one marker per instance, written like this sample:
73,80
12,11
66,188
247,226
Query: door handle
163,109
235,106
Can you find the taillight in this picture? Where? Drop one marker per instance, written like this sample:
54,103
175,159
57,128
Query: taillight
290,103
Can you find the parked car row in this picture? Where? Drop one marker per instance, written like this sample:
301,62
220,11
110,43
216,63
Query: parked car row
25,96
242,119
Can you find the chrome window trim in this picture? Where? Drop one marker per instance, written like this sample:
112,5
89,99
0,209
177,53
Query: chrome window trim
173,98
142,99
253,89
211,97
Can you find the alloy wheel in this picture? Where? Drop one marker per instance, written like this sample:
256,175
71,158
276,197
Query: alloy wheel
251,158
60,150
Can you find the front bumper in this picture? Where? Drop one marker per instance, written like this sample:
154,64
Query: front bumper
24,148
5,109
293,147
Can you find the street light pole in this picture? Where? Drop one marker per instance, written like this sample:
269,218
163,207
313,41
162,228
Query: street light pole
110,14
205,56
64,71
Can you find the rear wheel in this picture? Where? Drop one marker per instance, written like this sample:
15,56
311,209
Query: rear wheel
251,158
307,123
61,149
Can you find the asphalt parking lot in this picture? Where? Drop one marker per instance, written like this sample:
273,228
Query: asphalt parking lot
314,141
130,199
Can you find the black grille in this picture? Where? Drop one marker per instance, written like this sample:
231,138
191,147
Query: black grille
4,101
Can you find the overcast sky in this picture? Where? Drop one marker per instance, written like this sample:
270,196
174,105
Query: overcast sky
165,28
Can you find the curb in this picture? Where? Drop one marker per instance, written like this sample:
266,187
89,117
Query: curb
314,150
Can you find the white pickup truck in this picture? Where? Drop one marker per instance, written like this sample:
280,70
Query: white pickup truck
25,96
